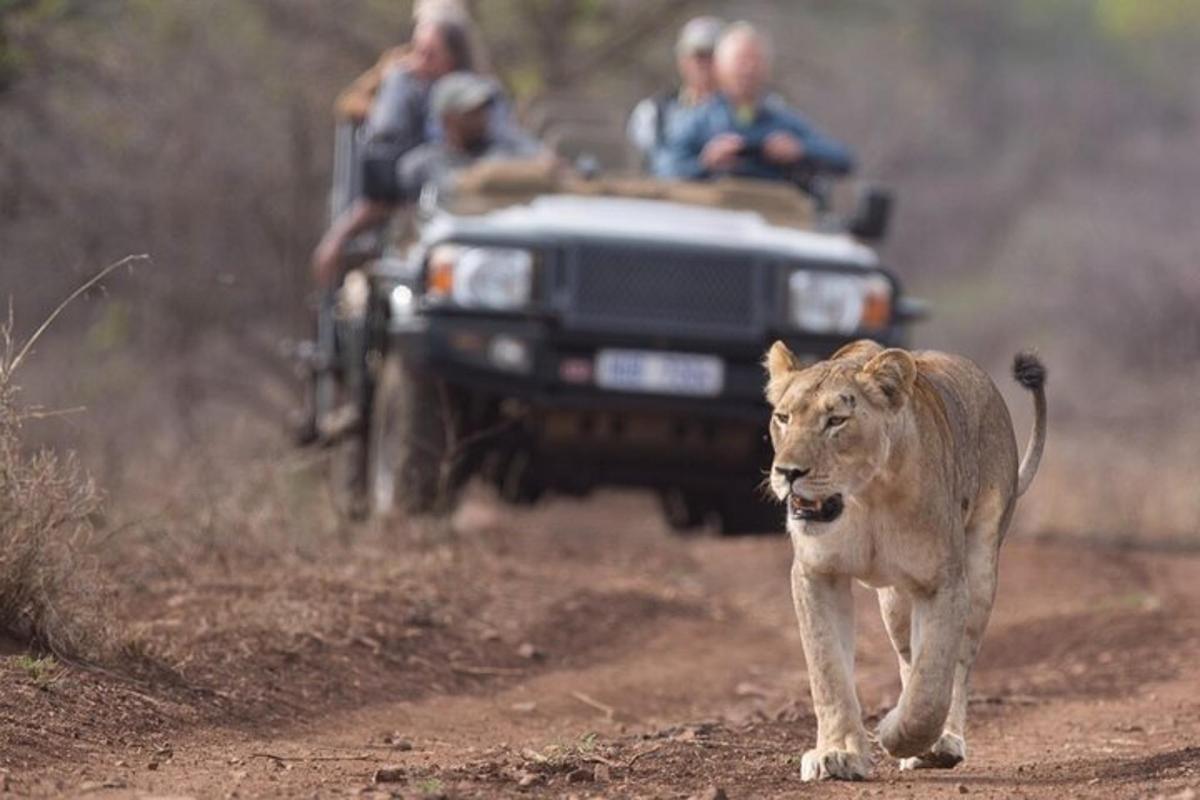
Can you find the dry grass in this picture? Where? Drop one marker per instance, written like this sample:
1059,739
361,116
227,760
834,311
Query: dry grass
48,598
49,593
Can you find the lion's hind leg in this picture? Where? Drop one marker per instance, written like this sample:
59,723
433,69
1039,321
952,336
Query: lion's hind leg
983,552
918,720
896,610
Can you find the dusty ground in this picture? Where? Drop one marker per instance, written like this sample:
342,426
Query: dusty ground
579,649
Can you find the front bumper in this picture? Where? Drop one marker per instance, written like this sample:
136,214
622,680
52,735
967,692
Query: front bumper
535,361
579,435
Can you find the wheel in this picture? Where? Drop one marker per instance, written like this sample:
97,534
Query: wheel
302,422
684,510
347,476
316,367
346,433
412,467
746,512
519,484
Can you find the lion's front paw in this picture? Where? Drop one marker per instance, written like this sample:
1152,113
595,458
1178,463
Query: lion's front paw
948,752
834,765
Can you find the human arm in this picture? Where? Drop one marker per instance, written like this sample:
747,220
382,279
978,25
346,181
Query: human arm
398,114
791,129
362,215
413,170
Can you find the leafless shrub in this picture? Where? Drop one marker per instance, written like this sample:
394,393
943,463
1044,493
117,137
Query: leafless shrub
48,596
48,593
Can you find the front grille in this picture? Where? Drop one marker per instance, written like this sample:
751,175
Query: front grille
661,290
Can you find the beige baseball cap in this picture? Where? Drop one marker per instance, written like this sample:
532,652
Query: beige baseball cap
699,35
459,92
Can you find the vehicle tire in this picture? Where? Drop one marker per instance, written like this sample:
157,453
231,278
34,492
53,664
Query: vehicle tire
744,513
684,511
412,426
347,476
302,423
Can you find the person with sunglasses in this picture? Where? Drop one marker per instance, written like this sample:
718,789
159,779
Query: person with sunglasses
744,131
655,120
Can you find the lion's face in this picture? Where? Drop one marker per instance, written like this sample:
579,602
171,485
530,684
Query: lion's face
829,425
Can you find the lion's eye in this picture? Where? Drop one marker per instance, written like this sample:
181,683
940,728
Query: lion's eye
782,419
833,422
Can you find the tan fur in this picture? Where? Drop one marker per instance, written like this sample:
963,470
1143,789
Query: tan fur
926,464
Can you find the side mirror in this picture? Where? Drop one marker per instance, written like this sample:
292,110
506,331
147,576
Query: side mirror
873,215
912,309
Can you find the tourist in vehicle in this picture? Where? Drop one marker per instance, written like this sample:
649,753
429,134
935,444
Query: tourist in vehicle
742,131
398,121
462,103
656,120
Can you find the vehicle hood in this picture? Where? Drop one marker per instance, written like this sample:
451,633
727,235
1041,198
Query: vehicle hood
655,220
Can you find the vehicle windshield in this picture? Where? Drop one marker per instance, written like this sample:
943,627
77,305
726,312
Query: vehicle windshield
491,185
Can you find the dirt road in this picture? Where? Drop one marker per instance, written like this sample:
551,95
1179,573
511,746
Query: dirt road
607,658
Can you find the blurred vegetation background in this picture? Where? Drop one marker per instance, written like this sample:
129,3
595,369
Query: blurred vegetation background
1042,151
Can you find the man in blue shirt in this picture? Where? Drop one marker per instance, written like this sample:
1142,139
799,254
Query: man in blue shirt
743,131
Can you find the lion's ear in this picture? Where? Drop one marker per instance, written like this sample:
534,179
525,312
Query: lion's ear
780,361
887,379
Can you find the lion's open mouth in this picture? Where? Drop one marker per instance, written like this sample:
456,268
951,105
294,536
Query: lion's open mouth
826,510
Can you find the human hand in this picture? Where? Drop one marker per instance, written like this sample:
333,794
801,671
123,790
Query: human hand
721,152
783,148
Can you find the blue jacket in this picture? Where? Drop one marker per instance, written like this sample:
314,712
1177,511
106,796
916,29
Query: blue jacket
718,116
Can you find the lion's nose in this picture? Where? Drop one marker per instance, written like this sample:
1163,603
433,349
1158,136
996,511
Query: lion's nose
792,474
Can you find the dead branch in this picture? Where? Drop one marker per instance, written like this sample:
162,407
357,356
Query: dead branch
608,711
12,366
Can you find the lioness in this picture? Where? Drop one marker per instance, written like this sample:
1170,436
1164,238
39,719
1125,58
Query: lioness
898,470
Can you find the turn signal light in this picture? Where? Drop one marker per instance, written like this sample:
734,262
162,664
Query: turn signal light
440,279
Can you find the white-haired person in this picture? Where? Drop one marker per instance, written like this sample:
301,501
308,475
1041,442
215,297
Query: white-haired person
744,130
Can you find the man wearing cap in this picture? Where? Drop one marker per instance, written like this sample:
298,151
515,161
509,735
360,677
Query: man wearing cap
462,103
743,131
655,120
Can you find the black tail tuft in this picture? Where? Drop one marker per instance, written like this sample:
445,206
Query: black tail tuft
1029,371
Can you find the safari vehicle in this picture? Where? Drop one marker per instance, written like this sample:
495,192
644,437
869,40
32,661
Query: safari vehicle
553,333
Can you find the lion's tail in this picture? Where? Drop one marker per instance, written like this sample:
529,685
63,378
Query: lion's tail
1030,372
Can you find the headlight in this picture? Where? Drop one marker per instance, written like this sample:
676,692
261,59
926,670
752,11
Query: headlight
481,277
834,302
400,299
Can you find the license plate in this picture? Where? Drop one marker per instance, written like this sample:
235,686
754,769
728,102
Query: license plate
660,373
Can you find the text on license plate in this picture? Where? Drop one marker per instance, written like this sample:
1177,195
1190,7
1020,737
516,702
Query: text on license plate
662,373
